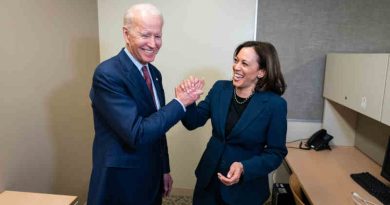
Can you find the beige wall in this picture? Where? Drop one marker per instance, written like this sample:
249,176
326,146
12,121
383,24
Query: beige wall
48,51
199,38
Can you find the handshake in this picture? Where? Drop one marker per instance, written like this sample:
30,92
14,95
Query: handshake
189,90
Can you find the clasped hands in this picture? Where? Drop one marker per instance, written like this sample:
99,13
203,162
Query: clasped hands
189,90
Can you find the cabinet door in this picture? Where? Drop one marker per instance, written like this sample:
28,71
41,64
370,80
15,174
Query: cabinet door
386,99
337,83
357,81
369,83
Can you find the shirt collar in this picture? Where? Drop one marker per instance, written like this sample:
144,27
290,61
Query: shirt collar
135,61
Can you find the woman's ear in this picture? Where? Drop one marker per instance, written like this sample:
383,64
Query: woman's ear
261,73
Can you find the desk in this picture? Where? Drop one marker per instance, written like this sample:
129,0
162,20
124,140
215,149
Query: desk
28,198
324,175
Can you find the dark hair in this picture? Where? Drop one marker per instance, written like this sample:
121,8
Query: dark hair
269,61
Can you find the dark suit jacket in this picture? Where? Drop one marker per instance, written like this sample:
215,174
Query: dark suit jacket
257,140
130,150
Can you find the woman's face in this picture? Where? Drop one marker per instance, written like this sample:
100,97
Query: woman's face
246,69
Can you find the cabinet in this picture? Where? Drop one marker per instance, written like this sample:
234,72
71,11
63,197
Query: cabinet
358,81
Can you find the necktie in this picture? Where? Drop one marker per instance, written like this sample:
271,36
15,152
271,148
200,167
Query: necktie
148,81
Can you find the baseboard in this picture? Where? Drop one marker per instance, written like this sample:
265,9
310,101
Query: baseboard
182,191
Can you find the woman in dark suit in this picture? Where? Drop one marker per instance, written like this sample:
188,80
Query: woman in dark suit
249,125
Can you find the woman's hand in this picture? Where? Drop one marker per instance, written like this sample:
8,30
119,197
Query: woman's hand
234,174
189,90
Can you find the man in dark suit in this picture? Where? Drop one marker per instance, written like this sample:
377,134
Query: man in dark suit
130,155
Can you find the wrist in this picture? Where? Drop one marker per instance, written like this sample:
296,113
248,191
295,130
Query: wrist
184,102
241,167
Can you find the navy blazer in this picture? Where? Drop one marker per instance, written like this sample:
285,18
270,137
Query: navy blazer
257,141
130,151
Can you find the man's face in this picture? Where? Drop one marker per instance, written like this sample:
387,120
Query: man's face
144,38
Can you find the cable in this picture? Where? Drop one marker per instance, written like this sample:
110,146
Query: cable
300,144
358,199
302,147
293,147
297,140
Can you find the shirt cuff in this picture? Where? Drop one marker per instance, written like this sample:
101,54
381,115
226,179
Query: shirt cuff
184,107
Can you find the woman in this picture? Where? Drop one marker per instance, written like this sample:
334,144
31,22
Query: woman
249,126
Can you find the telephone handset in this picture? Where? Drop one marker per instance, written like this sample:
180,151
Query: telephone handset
318,141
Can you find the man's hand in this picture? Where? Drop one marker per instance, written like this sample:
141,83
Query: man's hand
189,90
234,174
167,184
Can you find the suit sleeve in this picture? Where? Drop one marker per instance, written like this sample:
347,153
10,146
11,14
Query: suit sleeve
165,159
166,167
197,115
275,151
119,109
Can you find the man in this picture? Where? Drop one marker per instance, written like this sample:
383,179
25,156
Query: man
130,155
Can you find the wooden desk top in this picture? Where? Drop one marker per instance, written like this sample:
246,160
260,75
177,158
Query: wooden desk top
28,198
325,175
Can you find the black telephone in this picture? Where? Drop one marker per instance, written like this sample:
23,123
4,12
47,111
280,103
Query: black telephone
318,141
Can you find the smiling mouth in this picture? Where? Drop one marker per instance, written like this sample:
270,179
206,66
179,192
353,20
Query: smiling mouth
237,76
148,51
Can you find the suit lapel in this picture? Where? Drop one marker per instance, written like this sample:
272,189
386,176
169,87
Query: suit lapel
224,102
135,79
255,107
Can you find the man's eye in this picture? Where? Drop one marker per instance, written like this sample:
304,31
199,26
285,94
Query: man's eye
145,35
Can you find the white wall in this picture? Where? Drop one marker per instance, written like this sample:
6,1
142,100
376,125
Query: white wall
199,38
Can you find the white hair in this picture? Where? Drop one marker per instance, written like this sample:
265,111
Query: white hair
140,10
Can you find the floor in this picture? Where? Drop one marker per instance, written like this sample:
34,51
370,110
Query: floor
185,200
177,200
